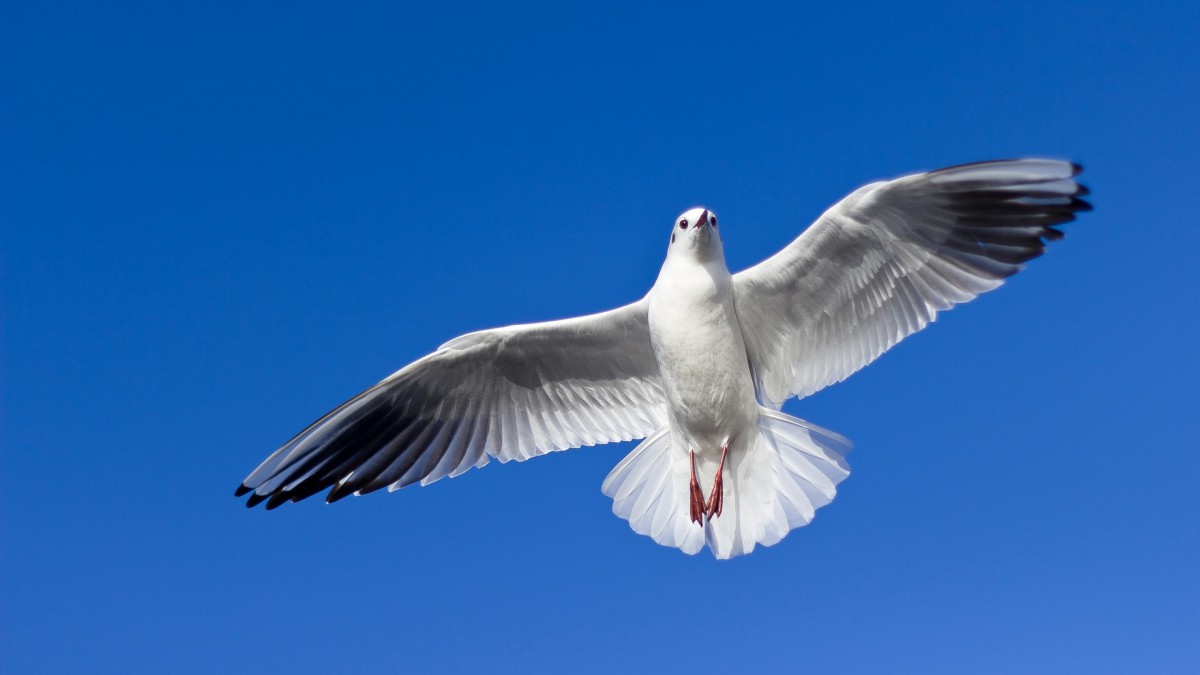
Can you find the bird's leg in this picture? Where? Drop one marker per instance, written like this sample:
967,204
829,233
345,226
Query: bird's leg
697,509
716,500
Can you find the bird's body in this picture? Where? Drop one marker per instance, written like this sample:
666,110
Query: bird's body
701,357
700,366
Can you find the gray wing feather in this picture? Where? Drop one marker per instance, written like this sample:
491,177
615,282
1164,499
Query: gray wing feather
507,393
879,266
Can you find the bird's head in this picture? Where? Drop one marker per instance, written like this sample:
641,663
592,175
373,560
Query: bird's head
694,233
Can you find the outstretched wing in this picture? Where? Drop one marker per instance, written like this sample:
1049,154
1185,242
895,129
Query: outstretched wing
509,393
880,264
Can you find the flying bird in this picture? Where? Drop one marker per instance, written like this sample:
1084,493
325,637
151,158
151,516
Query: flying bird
700,366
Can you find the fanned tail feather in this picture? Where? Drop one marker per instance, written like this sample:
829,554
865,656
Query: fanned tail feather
791,469
647,491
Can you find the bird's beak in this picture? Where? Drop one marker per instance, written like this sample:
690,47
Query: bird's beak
703,219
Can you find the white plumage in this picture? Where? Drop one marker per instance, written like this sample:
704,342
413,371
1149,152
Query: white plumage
701,364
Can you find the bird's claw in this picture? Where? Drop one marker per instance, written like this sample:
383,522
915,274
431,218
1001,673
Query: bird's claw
716,500
697,498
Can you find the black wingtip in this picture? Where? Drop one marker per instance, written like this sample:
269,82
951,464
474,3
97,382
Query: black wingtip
255,500
277,500
1076,169
337,495
241,490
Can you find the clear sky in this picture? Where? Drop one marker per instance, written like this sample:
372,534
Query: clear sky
219,220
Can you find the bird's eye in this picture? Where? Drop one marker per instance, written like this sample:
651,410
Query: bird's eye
713,220
683,224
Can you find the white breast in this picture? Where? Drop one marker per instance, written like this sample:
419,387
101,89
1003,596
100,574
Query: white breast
698,344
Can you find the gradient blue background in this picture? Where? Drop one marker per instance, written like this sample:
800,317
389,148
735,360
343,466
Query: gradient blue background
221,220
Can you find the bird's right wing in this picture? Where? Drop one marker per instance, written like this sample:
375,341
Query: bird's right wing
509,393
881,263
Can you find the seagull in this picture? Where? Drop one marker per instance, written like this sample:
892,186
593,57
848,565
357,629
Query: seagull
700,367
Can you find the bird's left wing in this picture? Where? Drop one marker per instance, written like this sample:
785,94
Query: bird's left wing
881,263
509,393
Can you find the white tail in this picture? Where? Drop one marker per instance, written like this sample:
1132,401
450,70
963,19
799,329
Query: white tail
790,470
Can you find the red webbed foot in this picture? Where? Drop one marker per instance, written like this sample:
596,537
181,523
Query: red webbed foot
716,500
697,506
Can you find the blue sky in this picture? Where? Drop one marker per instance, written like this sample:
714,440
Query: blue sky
219,220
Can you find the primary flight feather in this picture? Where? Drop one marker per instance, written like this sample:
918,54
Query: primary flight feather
700,366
